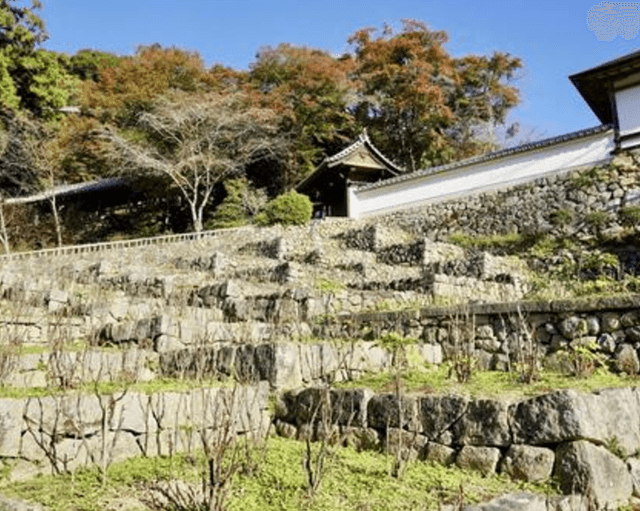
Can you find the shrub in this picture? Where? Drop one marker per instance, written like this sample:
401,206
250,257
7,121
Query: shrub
290,208
630,216
597,219
561,217
238,207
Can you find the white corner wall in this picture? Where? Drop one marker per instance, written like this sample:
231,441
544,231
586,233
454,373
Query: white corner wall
481,177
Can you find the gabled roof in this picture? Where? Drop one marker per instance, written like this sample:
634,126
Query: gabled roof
362,142
594,84
490,156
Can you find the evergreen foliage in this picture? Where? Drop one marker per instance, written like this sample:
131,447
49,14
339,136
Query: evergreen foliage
291,208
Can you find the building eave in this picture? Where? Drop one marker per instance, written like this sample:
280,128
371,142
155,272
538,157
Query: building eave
332,161
490,156
594,83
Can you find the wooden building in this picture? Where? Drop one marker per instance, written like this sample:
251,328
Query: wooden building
360,163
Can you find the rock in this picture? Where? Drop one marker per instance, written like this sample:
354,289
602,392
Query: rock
387,411
514,502
593,325
567,415
527,463
410,445
607,343
633,334
484,332
9,504
439,413
482,459
230,289
634,470
588,469
484,422
441,454
11,411
286,372
350,406
627,359
361,438
610,322
573,327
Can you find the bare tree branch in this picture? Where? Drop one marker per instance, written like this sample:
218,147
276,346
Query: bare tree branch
197,142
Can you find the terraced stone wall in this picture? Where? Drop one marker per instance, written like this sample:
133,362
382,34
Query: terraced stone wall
498,334
61,433
532,207
588,442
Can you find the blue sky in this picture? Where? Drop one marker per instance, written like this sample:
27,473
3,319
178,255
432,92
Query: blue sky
552,37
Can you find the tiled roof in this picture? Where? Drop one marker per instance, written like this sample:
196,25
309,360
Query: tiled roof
594,83
489,156
362,140
331,161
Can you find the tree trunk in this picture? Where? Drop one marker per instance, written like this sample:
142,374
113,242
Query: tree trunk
4,235
196,219
56,220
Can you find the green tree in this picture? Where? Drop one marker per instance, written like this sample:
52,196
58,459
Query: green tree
30,77
239,206
88,64
421,105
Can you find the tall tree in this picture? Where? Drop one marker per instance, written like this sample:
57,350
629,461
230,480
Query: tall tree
129,86
420,104
30,77
311,90
196,141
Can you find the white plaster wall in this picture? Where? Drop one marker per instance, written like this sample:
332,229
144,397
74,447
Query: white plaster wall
628,108
485,176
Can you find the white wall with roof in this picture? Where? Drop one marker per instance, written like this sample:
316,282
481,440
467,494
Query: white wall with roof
483,174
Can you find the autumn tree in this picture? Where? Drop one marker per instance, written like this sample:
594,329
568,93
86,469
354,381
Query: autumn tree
196,141
88,64
421,105
310,89
125,88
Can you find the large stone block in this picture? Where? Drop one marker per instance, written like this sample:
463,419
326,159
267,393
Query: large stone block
484,422
390,411
439,413
482,459
606,416
11,426
531,464
286,372
588,469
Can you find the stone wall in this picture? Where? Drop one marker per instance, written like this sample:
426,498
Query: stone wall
498,333
588,442
532,207
64,432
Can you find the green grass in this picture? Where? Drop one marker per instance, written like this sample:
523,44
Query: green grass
352,481
436,380
326,285
150,387
509,242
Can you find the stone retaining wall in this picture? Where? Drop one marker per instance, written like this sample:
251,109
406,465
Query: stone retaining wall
588,442
497,334
64,432
533,207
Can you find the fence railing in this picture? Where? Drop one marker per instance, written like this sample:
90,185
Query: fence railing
112,245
